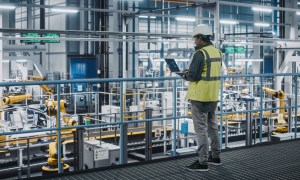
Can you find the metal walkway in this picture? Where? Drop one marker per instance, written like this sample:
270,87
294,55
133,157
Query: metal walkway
269,161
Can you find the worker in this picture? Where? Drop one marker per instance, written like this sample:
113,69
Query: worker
203,93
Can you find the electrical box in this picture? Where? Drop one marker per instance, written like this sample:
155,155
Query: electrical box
100,154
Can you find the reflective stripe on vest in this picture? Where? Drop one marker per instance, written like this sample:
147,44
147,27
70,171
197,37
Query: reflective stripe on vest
206,75
207,88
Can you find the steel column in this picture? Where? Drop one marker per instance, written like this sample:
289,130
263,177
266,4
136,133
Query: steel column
216,24
249,124
148,134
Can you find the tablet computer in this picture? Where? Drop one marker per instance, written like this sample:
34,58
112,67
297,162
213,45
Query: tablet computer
172,65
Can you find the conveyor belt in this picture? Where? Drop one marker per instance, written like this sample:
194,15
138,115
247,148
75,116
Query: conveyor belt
271,161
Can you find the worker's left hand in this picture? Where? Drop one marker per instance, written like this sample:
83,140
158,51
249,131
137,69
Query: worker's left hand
185,71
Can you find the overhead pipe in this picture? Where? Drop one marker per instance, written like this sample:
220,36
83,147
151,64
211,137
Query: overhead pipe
133,44
42,27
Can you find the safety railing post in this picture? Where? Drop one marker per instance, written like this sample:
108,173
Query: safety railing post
296,105
174,120
58,125
148,134
249,124
121,143
290,115
78,145
261,110
28,158
221,113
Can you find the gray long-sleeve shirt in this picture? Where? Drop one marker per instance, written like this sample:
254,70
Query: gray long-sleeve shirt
196,66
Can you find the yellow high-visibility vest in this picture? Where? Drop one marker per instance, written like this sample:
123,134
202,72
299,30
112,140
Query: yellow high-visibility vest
208,87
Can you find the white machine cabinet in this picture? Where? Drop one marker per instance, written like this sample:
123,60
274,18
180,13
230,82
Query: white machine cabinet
96,154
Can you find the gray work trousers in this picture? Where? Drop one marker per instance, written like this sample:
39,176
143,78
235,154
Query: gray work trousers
205,123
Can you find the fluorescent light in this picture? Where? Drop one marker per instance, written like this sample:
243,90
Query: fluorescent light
240,44
249,60
131,0
65,10
262,24
146,17
228,22
182,60
7,7
186,18
5,61
298,3
159,60
21,60
262,9
298,13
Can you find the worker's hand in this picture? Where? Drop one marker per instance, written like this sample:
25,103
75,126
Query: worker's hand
185,71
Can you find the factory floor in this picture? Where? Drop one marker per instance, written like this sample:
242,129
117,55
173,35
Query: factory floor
266,161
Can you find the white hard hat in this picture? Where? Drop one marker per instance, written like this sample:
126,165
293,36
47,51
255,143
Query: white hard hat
202,29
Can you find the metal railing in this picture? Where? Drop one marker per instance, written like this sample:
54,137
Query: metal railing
122,82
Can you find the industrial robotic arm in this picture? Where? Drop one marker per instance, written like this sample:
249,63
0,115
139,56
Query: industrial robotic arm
280,95
52,163
277,94
45,88
8,100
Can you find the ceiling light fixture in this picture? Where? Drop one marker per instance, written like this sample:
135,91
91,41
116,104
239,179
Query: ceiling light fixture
159,60
182,60
21,60
186,19
5,61
250,60
146,17
9,7
229,22
64,10
262,24
262,9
